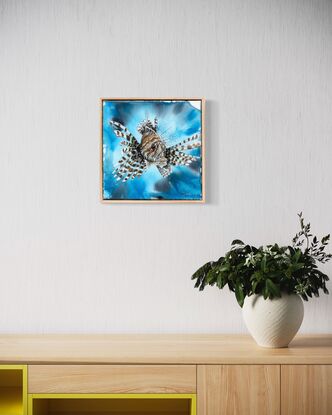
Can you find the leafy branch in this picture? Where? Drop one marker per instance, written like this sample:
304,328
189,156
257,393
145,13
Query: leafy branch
314,247
270,270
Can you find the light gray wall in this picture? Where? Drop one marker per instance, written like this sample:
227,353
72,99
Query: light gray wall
69,263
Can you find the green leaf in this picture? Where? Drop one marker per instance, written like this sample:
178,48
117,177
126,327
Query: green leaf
254,286
305,298
225,268
297,255
272,288
325,238
239,294
221,281
237,242
291,250
288,272
296,267
257,275
211,276
263,264
203,270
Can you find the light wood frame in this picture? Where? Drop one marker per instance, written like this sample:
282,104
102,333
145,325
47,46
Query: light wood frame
202,200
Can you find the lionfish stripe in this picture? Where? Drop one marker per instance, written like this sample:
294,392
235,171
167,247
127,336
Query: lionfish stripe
123,160
183,145
125,133
188,146
119,133
181,159
129,169
118,126
128,144
133,174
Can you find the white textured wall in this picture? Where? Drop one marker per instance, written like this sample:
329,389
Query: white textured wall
69,263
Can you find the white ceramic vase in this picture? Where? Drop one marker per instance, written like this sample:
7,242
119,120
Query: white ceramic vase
273,323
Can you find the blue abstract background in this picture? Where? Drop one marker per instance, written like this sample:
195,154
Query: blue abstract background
177,120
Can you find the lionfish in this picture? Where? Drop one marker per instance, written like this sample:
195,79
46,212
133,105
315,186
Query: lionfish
137,156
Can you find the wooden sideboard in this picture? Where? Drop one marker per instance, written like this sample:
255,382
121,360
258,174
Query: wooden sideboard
163,375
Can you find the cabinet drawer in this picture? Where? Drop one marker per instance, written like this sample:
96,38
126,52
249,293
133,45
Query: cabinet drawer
111,379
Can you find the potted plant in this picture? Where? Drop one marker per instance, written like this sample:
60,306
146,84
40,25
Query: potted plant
270,282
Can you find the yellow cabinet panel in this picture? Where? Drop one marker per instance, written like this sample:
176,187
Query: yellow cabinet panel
112,404
13,390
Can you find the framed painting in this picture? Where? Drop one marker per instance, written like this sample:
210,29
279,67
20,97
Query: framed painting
152,150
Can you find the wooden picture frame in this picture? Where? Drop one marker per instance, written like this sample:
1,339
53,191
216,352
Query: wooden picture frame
123,133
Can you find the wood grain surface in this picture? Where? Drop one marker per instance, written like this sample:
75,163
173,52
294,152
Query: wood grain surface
111,379
238,390
160,349
306,390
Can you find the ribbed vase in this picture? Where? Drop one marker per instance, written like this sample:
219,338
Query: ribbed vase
273,323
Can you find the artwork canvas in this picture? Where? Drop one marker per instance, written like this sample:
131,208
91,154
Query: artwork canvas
152,150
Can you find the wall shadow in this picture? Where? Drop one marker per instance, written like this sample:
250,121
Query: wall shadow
212,151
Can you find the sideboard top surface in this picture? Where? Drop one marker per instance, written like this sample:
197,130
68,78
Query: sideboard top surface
159,349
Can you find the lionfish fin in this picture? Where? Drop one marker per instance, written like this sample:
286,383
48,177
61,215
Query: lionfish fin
132,163
122,132
127,171
177,158
187,144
